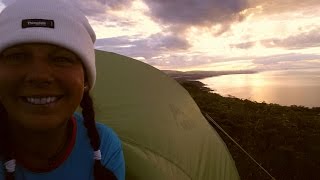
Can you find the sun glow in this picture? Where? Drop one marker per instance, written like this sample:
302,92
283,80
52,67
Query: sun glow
253,31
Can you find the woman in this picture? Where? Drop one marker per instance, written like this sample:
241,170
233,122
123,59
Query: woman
47,69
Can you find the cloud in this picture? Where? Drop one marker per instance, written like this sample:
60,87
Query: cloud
89,7
115,4
92,7
300,41
170,52
275,62
100,7
181,14
280,6
188,61
287,61
97,9
245,45
295,42
7,2
170,42
135,46
154,52
285,58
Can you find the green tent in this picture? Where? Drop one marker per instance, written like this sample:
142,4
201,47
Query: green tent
163,132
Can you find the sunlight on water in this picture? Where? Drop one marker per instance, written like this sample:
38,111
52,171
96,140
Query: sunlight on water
299,87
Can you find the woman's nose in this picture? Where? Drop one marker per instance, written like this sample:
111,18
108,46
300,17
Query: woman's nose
39,73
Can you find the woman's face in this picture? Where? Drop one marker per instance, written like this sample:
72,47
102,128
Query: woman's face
41,85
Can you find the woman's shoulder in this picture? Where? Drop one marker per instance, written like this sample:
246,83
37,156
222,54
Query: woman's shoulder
110,146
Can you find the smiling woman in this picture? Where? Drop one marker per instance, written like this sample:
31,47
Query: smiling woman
42,85
47,70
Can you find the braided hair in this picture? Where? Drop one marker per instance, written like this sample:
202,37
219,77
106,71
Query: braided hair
100,172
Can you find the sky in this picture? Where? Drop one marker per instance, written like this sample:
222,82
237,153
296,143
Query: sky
208,35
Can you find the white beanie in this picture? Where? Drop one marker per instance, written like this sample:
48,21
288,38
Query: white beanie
53,22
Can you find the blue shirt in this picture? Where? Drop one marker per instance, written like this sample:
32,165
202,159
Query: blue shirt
79,164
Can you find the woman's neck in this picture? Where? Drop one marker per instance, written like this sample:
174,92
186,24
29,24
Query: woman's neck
36,149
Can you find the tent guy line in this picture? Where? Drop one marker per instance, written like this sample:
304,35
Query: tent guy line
224,132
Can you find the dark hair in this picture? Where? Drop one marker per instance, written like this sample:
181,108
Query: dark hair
100,172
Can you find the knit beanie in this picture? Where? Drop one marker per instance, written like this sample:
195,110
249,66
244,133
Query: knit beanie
50,21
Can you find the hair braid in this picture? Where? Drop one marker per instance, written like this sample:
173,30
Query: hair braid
100,172
5,145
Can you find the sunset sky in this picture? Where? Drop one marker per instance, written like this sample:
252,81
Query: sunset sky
208,34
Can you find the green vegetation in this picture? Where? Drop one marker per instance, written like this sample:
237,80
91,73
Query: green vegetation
284,140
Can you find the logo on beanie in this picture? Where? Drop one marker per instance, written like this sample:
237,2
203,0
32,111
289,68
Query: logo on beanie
44,23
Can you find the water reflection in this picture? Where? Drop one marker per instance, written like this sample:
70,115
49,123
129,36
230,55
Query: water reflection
281,87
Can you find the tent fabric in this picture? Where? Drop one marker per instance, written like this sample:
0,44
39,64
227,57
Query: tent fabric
163,133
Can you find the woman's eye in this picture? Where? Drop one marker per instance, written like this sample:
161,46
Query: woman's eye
14,58
63,60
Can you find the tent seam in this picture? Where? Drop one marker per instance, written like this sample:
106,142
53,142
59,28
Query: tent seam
160,155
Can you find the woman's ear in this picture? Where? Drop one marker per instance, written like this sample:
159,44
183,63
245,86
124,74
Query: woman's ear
86,82
86,86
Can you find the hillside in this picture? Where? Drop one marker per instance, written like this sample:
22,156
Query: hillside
284,140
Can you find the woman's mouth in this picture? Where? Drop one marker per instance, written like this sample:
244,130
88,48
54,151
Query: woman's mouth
45,100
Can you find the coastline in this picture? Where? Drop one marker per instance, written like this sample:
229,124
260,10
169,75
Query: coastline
205,87
198,75
283,139
271,93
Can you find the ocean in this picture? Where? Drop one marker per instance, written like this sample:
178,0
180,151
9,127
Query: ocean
285,87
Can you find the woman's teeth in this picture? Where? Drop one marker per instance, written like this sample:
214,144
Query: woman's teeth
41,101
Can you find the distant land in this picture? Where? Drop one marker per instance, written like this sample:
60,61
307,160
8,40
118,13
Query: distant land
196,75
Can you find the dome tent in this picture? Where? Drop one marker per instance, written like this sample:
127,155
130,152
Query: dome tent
163,132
